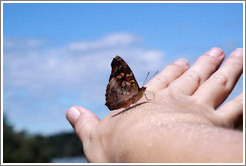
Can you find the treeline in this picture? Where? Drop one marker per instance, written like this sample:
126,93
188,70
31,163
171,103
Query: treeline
20,147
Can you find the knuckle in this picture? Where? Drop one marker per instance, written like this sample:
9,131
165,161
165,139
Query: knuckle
79,130
208,60
82,130
220,79
171,68
175,67
164,80
235,61
194,76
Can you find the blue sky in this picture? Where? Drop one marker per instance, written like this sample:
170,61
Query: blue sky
58,55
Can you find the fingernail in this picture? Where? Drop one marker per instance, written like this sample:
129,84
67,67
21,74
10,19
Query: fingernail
182,62
72,115
237,52
215,52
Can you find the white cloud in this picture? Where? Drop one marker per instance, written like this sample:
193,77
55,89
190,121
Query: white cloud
76,73
24,43
109,41
62,67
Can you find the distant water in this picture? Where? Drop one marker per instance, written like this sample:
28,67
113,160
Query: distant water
69,160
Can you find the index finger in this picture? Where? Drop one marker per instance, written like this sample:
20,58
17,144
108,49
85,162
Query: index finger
167,75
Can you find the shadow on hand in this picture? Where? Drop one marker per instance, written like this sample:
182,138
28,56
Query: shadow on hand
127,109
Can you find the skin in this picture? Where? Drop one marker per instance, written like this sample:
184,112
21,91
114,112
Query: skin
180,124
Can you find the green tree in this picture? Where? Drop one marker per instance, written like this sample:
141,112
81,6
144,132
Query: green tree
21,148
65,145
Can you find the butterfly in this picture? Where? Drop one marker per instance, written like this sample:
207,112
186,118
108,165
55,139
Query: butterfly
122,89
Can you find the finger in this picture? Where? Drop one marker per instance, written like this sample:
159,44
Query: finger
199,72
232,112
167,75
83,121
217,88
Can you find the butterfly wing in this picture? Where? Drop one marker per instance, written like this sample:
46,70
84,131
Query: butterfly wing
122,87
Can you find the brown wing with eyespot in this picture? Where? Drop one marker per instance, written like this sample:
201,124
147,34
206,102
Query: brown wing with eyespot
122,87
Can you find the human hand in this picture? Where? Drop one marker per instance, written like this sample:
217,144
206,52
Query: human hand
181,124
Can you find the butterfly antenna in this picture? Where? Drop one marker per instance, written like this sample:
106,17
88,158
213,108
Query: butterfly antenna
145,79
154,74
150,78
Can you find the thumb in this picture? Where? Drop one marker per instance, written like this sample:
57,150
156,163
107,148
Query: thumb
83,121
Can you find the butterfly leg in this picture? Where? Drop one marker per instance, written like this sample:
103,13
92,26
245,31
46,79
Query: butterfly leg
151,93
